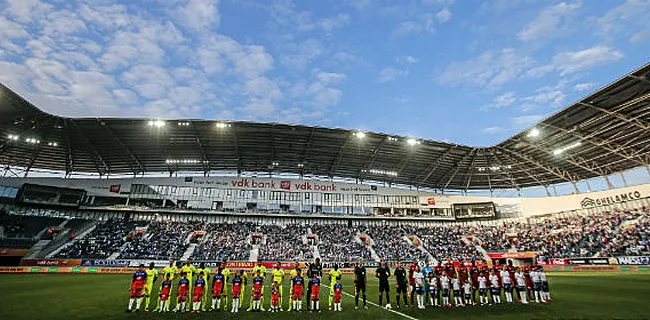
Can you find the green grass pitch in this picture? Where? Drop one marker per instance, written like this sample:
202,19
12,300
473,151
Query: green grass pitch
74,296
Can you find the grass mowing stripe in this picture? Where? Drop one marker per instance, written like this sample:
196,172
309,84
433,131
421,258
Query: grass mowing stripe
378,306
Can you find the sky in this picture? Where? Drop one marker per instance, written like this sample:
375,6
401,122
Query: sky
470,72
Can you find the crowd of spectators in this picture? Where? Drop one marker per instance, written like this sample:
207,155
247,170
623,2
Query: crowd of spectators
162,240
284,243
391,243
338,243
446,241
225,242
106,239
610,233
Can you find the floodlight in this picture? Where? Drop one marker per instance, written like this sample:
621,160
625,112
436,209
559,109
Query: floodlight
222,125
156,123
412,142
359,134
534,132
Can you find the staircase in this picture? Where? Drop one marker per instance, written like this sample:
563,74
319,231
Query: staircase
430,257
480,249
79,237
255,253
36,250
188,252
373,253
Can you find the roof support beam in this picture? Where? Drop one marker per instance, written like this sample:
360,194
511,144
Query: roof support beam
339,156
105,169
564,175
123,146
69,161
373,156
608,146
532,176
455,170
614,113
32,160
508,174
470,171
204,156
433,166
577,161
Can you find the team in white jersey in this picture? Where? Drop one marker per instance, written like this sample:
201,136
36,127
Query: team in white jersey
507,285
495,287
443,284
419,287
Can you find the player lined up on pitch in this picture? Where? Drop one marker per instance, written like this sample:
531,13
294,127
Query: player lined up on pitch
436,286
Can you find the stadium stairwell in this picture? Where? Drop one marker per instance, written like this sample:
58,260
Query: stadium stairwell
479,248
188,252
255,252
36,250
430,257
67,244
373,253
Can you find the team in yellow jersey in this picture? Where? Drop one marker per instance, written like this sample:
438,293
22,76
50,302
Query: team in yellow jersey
278,275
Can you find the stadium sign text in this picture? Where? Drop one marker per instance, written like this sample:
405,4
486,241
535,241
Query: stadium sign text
589,202
643,260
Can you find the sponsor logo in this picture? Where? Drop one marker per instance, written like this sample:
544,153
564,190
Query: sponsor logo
431,201
285,184
589,202
105,263
644,260
115,188
309,186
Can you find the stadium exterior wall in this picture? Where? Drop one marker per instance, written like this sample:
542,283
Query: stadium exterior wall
167,188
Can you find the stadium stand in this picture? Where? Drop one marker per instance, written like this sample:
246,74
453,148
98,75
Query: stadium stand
162,240
225,242
105,240
284,243
390,244
338,243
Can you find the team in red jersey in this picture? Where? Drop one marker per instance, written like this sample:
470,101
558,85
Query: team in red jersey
137,285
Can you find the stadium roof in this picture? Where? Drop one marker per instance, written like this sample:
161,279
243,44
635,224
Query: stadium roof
604,133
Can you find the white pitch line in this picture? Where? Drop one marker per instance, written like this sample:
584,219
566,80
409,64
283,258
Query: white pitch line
378,306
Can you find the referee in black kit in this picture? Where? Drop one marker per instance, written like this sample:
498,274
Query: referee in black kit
314,268
360,284
383,273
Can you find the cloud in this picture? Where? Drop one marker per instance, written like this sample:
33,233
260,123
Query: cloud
389,74
198,15
628,19
406,60
303,53
488,69
526,121
574,61
505,99
443,15
339,21
552,21
547,96
585,86
493,130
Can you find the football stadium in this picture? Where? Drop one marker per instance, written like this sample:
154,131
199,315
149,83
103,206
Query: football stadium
248,217
195,159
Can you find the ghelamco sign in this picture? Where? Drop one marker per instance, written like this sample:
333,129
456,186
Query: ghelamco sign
622,197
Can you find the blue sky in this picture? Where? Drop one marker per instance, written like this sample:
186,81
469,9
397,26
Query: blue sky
471,72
